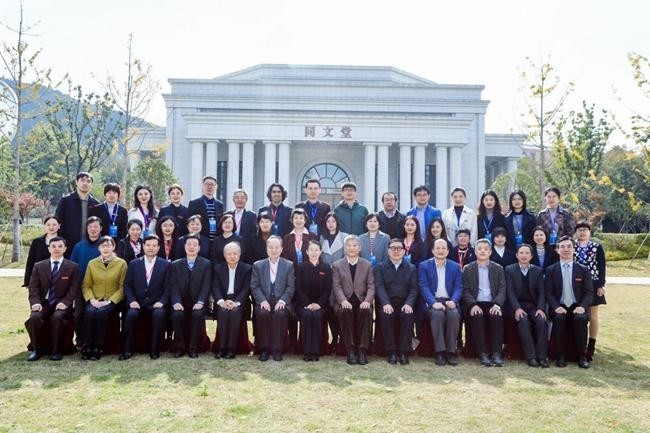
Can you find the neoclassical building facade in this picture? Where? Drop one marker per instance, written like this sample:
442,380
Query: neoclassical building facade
380,127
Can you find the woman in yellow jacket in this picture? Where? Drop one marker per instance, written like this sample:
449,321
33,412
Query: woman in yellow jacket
103,289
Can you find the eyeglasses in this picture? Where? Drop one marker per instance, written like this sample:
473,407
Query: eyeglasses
396,248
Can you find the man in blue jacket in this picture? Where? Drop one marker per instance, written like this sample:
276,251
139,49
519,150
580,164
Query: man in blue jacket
423,211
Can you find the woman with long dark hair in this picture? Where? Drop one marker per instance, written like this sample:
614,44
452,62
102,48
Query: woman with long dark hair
436,230
256,245
544,254
331,240
130,247
166,229
489,215
519,220
38,249
416,248
143,209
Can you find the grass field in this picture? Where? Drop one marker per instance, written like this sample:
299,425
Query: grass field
244,395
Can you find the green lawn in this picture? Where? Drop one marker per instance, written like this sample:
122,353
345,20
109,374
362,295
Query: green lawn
245,395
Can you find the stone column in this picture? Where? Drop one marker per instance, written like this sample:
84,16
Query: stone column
283,170
248,170
419,160
269,165
455,178
197,169
405,177
211,158
441,177
369,190
233,167
382,170
512,165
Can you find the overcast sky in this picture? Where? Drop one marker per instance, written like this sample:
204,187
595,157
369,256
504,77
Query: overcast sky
462,42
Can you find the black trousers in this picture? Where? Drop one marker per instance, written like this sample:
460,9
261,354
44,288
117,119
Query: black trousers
196,319
271,328
580,321
486,321
445,325
229,323
96,323
533,347
79,310
311,328
131,318
405,333
355,321
46,321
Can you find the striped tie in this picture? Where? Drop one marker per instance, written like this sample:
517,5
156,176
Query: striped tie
51,296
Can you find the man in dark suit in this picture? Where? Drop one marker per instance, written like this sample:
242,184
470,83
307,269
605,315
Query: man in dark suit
189,286
396,289
391,220
569,293
272,288
74,209
527,304
314,208
145,291
208,207
484,293
279,213
53,286
230,289
114,216
245,220
353,285
441,287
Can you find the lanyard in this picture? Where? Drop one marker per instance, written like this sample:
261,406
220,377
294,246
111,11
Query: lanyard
274,212
408,245
298,241
550,217
461,257
313,210
112,216
145,216
489,223
149,272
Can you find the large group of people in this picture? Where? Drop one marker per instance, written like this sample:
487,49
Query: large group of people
294,271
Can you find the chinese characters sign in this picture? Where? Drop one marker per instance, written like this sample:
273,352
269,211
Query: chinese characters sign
312,131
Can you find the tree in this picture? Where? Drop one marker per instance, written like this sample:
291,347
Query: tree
85,130
154,172
523,178
641,72
543,98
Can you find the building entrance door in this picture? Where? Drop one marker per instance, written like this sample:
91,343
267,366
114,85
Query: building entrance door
331,177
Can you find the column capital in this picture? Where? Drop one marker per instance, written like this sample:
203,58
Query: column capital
450,145
277,141
412,144
377,143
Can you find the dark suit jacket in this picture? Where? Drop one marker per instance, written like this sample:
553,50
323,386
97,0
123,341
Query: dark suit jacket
322,209
248,225
125,251
428,280
396,286
515,286
313,284
498,220
67,285
197,207
527,226
242,282
583,288
550,258
189,287
69,211
180,214
137,289
282,218
508,257
204,247
120,220
284,282
37,251
364,281
470,256
470,284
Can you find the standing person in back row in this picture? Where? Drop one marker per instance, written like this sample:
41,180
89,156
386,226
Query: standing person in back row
74,209
350,213
555,219
391,220
279,213
423,211
208,207
314,208
460,217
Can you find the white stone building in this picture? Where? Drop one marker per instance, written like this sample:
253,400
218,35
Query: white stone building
380,127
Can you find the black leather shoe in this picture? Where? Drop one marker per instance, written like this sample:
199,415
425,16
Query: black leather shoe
230,354
452,359
440,359
582,362
497,360
193,354
403,359
219,354
352,358
532,362
124,356
154,355
392,359
277,356
315,358
56,357
543,363
362,358
34,356
264,356
560,361
484,359
179,354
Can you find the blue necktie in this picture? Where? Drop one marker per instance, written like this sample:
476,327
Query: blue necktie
51,296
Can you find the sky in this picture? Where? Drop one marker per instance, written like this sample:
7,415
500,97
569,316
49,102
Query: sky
462,42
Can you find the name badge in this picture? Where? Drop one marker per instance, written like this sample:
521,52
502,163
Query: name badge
519,239
276,229
488,236
213,224
552,239
145,233
373,260
313,228
112,231
407,258
299,256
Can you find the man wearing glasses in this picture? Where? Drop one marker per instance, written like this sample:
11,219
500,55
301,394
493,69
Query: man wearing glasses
208,206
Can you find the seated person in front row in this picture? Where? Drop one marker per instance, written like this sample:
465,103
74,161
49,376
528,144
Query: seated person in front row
484,293
502,253
441,286
463,253
272,288
231,283
527,302
53,287
145,291
189,285
396,289
353,284
569,293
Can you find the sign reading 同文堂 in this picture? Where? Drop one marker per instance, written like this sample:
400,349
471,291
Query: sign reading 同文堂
312,131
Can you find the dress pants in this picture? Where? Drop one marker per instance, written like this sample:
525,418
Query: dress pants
580,322
271,328
79,328
96,323
131,318
47,320
445,325
355,321
492,322
197,322
387,326
311,328
229,323
525,326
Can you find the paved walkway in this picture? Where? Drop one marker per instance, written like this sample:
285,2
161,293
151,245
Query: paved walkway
610,280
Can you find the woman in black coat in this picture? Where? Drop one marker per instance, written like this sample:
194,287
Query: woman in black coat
520,222
38,250
543,254
130,247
